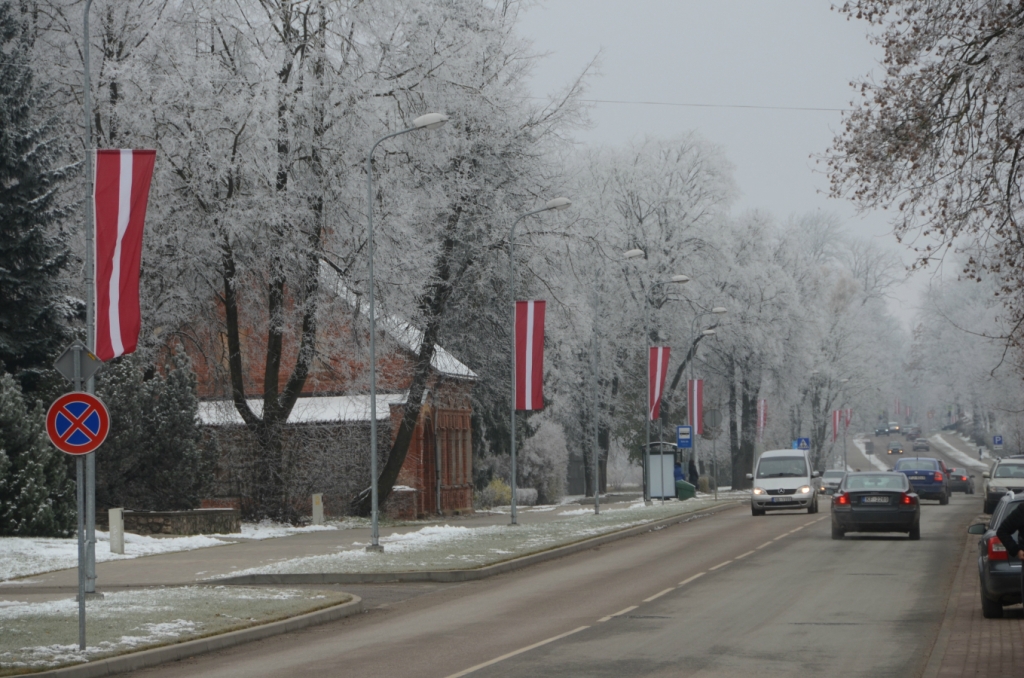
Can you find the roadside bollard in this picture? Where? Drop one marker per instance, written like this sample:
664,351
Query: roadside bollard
116,530
318,509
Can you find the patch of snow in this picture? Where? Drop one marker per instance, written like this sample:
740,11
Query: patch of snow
268,529
872,458
961,457
307,410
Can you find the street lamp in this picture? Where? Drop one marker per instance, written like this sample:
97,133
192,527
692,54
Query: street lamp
557,204
677,280
428,121
842,415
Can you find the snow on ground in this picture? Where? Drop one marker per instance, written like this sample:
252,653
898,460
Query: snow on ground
447,547
960,457
875,461
41,635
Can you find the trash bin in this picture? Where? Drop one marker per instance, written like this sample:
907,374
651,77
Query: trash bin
685,490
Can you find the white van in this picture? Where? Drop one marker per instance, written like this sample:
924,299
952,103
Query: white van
783,480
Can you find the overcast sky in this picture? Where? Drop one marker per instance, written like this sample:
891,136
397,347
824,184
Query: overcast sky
782,53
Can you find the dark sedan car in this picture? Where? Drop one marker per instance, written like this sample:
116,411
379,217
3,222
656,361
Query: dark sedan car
895,448
960,481
881,431
1000,576
875,502
922,444
927,476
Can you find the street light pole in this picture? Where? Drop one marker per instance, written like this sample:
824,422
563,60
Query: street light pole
428,121
553,204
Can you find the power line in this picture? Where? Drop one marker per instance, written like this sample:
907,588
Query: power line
685,105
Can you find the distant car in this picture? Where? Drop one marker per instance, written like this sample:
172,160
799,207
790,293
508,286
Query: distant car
922,444
783,479
895,448
1000,576
830,480
961,481
1006,476
881,431
894,428
928,477
875,502
912,432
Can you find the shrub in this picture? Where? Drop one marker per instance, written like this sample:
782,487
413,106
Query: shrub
497,493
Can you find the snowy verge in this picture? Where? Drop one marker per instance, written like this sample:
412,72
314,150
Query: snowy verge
448,547
873,459
960,456
44,635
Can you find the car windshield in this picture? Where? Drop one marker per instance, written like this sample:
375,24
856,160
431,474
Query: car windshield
1009,471
833,474
895,446
920,440
782,467
876,481
956,470
917,465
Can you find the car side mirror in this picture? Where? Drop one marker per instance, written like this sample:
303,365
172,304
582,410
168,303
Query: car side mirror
750,476
815,474
977,528
986,475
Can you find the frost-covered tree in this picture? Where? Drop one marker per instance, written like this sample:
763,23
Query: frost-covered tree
37,499
35,312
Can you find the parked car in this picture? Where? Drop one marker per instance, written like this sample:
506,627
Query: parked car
895,448
830,480
881,431
1006,476
922,444
961,481
1000,576
894,428
928,477
783,480
875,502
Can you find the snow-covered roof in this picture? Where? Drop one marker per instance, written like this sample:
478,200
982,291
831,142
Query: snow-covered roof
312,410
408,336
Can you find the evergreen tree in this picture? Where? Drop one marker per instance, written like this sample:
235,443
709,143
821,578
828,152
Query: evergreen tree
153,458
37,499
34,309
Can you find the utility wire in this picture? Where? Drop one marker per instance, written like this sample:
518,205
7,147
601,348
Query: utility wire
683,105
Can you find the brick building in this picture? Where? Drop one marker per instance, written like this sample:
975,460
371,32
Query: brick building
327,433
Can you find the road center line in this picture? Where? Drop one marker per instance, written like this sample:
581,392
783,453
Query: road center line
521,650
796,530
744,555
659,595
712,569
620,612
767,543
687,581
781,536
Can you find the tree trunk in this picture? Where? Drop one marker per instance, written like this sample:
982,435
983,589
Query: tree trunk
751,386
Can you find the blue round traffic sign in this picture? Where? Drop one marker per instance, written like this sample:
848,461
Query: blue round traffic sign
77,423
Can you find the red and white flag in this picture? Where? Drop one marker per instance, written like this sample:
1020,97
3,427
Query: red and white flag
897,410
657,365
529,355
848,416
762,417
120,197
836,415
695,405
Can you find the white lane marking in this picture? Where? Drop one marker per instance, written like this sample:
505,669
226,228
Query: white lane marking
620,612
687,581
767,543
796,530
781,536
521,650
712,569
659,595
744,555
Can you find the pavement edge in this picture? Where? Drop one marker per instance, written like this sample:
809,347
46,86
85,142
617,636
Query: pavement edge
938,653
456,576
190,648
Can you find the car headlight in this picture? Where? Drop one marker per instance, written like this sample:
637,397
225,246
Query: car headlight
759,490
996,488
804,490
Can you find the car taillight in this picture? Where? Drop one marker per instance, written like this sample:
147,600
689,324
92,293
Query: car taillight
938,476
996,550
907,499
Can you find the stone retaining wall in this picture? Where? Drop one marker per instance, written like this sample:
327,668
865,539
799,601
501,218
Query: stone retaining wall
201,521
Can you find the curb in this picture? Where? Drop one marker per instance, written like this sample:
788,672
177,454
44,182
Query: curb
455,576
190,648
938,651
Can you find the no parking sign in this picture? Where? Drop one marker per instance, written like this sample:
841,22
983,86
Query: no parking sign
77,423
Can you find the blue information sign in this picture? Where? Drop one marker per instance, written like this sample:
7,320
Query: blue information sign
684,437
997,442
802,444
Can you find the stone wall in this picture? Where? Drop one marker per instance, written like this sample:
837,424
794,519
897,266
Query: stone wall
201,521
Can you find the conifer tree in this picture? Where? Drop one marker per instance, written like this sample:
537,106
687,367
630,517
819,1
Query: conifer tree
34,308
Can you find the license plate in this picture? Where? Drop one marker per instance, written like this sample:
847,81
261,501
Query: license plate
875,500
779,500
917,477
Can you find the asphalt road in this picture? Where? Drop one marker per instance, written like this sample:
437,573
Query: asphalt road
729,595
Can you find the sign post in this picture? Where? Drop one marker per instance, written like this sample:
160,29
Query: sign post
997,442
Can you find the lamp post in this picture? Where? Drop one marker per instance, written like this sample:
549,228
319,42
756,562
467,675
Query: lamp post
424,122
560,203
717,310
678,280
842,416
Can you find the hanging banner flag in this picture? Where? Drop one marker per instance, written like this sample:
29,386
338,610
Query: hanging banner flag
897,409
529,355
657,366
835,424
762,417
908,413
695,405
120,196
848,416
